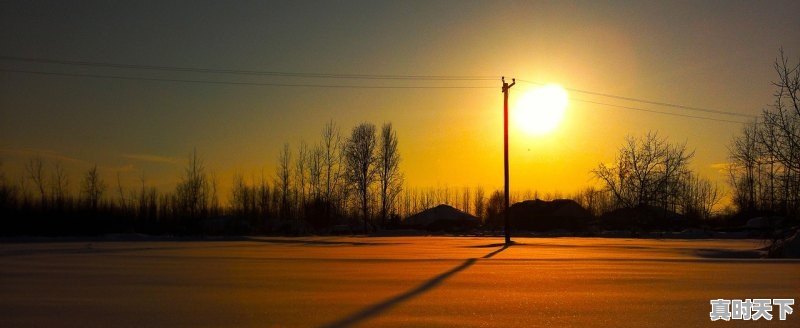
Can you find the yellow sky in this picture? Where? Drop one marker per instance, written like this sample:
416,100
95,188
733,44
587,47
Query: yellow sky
694,54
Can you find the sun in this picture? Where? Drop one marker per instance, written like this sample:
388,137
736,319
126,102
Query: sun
541,110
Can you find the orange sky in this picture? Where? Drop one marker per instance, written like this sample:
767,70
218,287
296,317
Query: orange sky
694,54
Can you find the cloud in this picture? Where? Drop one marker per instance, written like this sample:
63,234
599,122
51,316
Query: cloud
45,153
152,158
121,168
721,167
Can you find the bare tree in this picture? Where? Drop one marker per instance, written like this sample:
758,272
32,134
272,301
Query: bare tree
480,202
120,193
332,159
406,202
698,196
8,195
262,201
360,158
427,199
240,196
315,163
93,187
595,201
24,193
283,180
745,155
466,197
213,201
443,195
301,176
148,200
647,171
494,209
780,135
59,182
765,172
765,168
35,170
389,175
193,191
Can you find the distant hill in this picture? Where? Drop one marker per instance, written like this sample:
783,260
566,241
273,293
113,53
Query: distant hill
540,215
442,217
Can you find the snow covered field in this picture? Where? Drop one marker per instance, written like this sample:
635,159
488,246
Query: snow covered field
387,282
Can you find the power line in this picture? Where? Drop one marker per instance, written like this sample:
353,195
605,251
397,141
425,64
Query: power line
713,111
251,72
270,84
656,111
119,77
345,86
323,75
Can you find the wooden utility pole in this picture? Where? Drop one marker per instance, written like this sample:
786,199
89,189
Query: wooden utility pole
506,86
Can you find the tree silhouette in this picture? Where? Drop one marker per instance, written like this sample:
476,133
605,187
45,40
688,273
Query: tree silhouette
745,169
360,159
301,177
283,180
315,172
765,168
59,182
389,175
35,171
332,163
193,191
780,134
93,188
648,171
698,196
480,202
494,209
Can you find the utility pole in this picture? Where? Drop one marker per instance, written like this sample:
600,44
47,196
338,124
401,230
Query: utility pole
506,86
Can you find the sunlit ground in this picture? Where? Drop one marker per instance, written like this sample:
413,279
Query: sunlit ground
394,282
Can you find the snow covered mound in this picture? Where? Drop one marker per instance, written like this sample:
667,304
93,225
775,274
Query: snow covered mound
443,215
790,247
539,215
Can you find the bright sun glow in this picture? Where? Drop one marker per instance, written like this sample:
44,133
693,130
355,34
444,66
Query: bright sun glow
542,109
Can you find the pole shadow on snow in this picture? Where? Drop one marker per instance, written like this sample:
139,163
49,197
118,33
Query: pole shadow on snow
377,309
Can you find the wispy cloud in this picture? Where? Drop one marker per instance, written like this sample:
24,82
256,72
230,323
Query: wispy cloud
152,158
721,167
121,168
44,153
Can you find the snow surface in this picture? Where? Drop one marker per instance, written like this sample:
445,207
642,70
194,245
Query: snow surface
386,282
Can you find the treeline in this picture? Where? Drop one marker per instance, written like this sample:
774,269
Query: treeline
337,181
43,203
651,172
765,156
336,185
